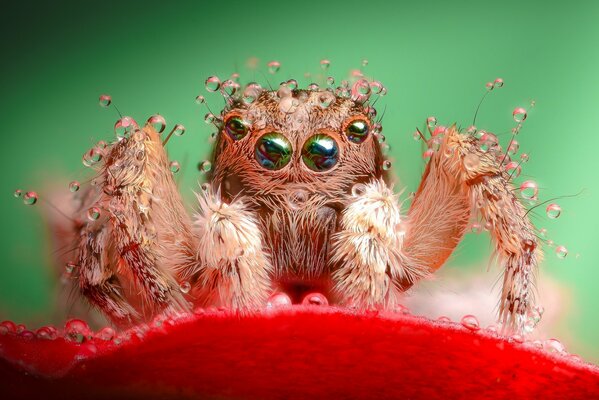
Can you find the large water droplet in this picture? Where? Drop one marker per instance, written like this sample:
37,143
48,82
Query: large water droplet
529,190
278,300
158,122
212,83
360,91
76,330
554,346
513,147
74,186
273,67
519,114
561,251
30,198
106,333
315,299
229,88
93,213
386,165
470,322
7,327
105,100
92,157
553,210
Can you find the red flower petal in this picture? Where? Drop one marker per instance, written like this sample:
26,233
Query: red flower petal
298,352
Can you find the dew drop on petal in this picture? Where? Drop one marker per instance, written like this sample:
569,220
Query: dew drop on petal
554,346
174,167
106,333
561,252
315,299
158,122
76,330
529,190
470,322
47,333
519,114
30,198
278,300
273,67
74,186
212,83
553,210
18,193
185,287
325,64
105,100
93,213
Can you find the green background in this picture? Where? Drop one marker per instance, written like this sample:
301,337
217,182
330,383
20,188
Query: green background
434,58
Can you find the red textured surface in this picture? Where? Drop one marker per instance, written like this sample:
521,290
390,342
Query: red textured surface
301,353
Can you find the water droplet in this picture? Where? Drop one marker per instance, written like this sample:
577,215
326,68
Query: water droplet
376,87
519,114
7,327
93,213
428,153
30,198
553,210
325,99
470,322
209,118
18,193
315,299
179,130
554,346
291,84
92,157
158,122
325,64
74,186
561,251
529,190
524,157
443,319
76,330
105,100
517,338
205,166
364,62
498,83
330,81
185,287
273,67
47,333
431,122
124,126
205,187
513,169
200,99
278,300
360,91
386,165
106,333
174,166
471,161
358,189
70,266
513,147
229,88
212,83
489,86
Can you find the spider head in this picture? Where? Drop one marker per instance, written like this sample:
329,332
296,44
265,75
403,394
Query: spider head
286,140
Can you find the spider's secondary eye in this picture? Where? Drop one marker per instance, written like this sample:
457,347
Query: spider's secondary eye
273,151
320,152
357,131
236,128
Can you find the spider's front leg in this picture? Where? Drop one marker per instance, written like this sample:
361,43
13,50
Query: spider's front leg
460,179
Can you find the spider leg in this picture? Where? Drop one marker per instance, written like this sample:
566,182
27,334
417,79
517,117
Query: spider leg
234,270
370,269
462,178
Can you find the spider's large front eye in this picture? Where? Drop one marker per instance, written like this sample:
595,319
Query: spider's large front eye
236,128
357,131
320,152
273,151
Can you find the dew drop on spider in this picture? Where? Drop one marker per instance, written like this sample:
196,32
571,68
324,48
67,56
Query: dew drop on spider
358,189
106,333
470,322
273,67
158,122
30,198
514,169
278,300
205,166
200,99
291,84
93,213
386,165
326,99
553,210
185,287
123,127
325,64
174,167
92,157
18,193
561,252
315,299
361,91
330,81
431,122
519,114
105,100
70,266
229,87
212,83
513,147
529,190
74,186
209,118
76,330
179,130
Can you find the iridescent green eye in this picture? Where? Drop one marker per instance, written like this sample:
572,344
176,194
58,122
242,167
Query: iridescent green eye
320,152
357,131
236,128
273,151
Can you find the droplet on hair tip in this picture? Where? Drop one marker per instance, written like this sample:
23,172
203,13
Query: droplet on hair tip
174,167
325,64
18,193
519,114
30,198
158,122
212,83
553,210
273,67
105,100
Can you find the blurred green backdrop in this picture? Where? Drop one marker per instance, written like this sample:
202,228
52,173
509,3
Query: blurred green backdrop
434,58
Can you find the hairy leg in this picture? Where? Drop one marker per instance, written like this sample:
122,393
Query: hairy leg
370,269
462,177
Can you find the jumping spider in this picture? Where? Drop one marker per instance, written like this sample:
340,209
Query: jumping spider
299,198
